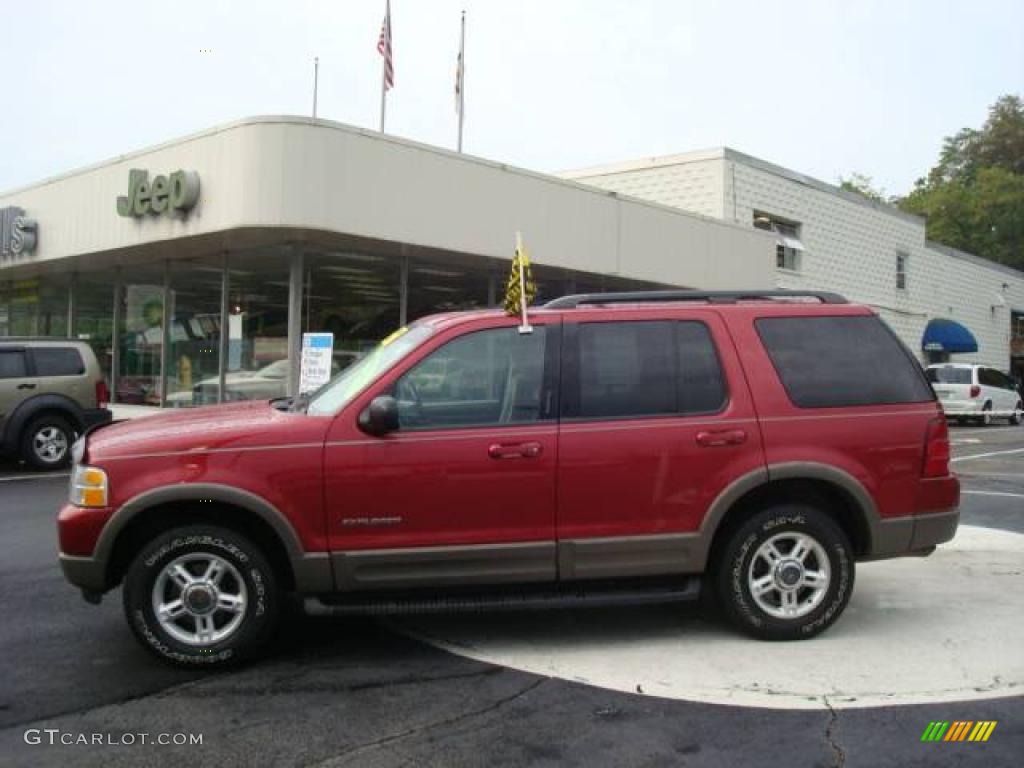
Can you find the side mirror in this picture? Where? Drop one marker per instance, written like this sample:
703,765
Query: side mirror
380,416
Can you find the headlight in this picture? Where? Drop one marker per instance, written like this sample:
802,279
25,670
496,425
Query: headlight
88,487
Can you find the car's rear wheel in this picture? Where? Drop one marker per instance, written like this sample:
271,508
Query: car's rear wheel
201,595
786,573
986,415
1018,414
46,442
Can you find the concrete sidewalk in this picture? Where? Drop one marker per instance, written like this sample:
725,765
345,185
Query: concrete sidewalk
124,411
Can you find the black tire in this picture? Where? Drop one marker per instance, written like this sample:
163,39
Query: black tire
733,572
43,453
1015,417
985,420
261,604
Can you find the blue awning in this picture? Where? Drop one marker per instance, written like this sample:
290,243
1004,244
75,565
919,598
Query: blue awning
944,335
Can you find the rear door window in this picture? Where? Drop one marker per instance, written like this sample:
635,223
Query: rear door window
58,361
828,362
12,364
643,368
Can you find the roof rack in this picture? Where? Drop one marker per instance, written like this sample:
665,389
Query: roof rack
712,297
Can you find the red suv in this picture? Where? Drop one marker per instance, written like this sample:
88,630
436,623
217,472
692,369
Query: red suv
627,445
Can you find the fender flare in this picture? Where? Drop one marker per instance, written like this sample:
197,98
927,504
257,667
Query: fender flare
312,571
878,530
28,409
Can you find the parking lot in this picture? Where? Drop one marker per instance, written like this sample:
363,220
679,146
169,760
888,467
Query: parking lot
925,640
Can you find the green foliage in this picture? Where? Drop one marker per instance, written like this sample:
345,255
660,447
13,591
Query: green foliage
974,197
863,185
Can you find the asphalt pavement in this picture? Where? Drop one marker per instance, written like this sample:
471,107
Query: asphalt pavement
361,692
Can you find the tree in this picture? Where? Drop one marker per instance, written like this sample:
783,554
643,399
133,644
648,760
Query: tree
973,198
863,185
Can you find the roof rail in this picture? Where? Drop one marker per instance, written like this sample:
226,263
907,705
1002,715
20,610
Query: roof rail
712,297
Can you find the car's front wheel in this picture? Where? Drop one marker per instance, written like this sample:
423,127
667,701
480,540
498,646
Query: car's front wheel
201,595
786,573
1018,413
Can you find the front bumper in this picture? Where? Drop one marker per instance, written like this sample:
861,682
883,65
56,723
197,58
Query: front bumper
78,531
86,573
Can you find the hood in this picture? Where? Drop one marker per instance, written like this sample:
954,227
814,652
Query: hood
192,429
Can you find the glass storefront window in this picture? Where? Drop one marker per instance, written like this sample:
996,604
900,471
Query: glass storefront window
439,286
34,306
193,363
141,318
355,296
94,315
257,334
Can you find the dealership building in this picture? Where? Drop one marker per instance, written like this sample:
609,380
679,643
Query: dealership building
944,304
193,268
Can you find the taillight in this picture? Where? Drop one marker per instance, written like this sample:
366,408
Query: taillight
102,394
936,449
975,390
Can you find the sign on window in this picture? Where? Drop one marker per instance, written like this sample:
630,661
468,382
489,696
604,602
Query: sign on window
317,351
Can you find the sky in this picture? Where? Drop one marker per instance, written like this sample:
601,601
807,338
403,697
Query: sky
825,88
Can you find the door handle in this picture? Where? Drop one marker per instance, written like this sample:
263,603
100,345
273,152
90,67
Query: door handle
721,437
515,450
26,386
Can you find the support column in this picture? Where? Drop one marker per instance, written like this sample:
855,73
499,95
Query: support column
492,289
115,334
225,335
295,274
403,292
72,287
165,344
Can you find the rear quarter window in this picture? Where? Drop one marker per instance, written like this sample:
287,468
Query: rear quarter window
949,375
12,364
58,361
828,362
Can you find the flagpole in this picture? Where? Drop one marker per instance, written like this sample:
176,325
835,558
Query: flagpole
524,327
383,92
384,65
316,75
462,77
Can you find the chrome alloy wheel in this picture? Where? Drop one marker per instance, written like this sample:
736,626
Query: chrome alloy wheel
789,575
199,599
50,444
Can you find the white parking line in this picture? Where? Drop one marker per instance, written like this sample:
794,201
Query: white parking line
34,477
986,455
994,493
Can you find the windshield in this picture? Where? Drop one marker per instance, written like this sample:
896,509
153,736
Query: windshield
949,375
340,391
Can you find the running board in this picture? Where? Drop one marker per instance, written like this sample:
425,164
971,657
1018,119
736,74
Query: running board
505,600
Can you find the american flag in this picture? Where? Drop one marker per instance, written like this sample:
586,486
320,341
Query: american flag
384,49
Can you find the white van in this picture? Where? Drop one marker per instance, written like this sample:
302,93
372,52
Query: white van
975,392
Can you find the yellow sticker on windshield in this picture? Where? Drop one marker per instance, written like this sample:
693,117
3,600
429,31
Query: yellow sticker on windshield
401,331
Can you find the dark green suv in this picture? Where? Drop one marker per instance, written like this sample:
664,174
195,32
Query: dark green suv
50,391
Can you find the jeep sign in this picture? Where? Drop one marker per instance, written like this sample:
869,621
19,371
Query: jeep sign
175,194
17,234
